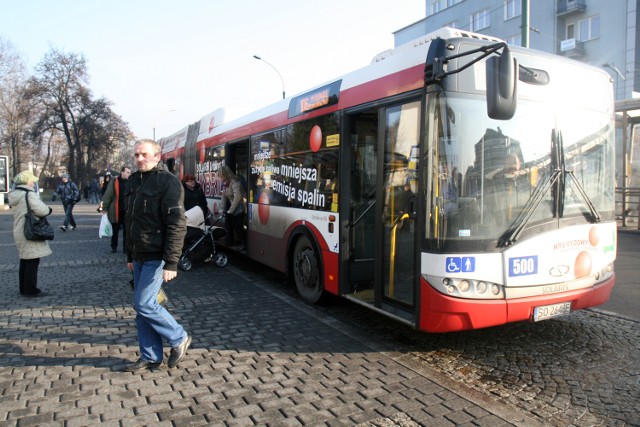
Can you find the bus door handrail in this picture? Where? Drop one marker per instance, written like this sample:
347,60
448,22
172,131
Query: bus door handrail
371,203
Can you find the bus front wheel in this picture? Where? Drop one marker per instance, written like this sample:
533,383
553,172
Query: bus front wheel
306,270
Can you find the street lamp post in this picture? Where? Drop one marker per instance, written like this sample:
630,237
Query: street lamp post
275,69
618,75
156,119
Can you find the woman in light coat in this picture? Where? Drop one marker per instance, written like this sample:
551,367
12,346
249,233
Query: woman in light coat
29,251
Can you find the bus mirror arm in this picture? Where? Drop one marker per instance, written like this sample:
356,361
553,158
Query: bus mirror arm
502,71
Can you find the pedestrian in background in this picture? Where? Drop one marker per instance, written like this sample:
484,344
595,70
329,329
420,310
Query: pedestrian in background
156,228
105,184
69,195
29,251
94,190
193,194
113,205
233,206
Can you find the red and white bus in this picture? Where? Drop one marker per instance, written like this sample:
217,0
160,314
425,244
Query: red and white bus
454,183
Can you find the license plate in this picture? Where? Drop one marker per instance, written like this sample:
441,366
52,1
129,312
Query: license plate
548,311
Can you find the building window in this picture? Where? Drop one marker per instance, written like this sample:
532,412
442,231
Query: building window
480,20
570,31
435,7
515,40
589,28
512,8
451,25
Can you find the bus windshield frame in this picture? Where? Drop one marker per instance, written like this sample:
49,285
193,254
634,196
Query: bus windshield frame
482,173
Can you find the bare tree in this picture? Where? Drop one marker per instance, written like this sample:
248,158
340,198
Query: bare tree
104,133
15,106
91,129
60,86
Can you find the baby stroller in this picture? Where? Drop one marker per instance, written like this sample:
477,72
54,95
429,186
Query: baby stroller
199,243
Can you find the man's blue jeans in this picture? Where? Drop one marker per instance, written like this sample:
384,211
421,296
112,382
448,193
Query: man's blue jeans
153,321
68,214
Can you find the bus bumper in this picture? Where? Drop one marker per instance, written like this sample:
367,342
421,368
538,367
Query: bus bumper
442,313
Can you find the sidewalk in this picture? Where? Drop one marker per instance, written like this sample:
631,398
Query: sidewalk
259,356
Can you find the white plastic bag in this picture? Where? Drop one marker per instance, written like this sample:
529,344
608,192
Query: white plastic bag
105,227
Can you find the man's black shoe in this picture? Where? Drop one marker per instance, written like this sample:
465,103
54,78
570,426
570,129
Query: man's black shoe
178,352
140,364
63,228
38,294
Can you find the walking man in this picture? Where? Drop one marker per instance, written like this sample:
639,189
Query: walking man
69,195
94,190
155,226
113,205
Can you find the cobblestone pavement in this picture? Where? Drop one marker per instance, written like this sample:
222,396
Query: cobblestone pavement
578,370
262,357
259,356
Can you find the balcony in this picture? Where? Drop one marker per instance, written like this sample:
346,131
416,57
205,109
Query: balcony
569,7
572,48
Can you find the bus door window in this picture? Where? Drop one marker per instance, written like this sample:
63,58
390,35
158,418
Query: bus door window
362,176
400,185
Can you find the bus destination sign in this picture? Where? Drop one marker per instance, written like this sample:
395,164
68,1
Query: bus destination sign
318,98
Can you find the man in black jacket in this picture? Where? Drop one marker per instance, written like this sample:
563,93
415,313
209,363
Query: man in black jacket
156,227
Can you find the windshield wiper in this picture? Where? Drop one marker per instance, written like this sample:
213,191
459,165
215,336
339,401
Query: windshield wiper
523,218
595,216
557,181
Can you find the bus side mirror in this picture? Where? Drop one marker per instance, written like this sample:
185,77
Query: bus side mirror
502,79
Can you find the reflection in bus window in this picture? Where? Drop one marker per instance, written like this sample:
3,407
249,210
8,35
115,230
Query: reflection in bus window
290,168
485,172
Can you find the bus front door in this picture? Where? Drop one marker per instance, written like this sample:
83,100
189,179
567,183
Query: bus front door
397,186
381,226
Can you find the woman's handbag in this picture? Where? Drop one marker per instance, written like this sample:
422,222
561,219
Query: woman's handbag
36,228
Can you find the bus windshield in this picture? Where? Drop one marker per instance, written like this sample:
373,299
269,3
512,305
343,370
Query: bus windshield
483,173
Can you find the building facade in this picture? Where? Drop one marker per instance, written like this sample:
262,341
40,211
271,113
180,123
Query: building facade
601,33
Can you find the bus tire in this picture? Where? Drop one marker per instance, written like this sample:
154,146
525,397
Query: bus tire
306,270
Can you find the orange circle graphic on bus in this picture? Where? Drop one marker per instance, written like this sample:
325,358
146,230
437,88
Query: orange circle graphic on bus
582,267
263,208
202,154
315,139
594,236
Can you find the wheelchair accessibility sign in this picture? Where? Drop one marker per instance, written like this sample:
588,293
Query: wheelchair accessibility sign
456,264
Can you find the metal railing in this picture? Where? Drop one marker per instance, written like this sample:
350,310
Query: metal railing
627,205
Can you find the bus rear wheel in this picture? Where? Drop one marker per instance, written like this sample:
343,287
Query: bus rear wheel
306,271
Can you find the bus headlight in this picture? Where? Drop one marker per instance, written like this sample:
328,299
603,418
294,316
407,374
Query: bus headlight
466,288
481,287
463,286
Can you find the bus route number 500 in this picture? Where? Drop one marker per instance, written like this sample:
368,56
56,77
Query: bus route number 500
523,266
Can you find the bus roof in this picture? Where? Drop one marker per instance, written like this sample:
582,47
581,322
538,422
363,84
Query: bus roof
404,64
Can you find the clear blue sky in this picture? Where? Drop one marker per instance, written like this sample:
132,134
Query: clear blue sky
194,56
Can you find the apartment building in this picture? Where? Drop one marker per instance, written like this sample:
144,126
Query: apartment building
603,33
